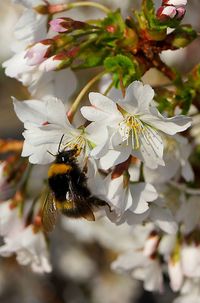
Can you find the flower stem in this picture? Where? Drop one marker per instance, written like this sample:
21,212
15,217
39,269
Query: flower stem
184,188
108,88
122,85
57,8
80,96
102,7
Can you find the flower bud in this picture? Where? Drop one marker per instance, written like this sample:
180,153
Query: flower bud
59,61
190,259
50,64
174,2
62,25
151,244
175,274
166,12
37,53
180,12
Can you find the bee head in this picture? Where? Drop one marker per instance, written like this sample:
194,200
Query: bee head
66,156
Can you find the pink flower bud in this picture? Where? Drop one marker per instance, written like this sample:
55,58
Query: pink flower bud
56,25
50,64
36,54
62,25
166,12
174,2
180,12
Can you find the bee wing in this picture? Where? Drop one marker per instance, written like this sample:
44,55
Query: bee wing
81,205
49,213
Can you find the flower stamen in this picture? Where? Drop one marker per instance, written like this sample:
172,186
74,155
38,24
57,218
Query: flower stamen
131,126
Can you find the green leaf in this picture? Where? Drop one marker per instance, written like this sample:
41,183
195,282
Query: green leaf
151,27
194,78
184,98
119,62
182,36
121,65
114,23
90,57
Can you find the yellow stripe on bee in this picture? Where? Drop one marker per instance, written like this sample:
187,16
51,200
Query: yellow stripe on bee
58,168
64,205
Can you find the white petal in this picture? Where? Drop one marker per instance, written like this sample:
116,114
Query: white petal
100,136
134,219
162,173
150,151
16,66
138,98
113,157
175,275
44,135
190,259
169,126
164,219
39,154
153,277
167,244
128,261
187,172
102,108
33,110
103,103
142,193
56,112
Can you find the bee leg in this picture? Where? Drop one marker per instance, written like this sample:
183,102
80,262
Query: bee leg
98,202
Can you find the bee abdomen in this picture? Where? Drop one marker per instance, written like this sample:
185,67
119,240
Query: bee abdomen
70,209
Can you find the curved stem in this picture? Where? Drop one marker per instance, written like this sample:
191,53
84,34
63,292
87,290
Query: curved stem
183,187
108,88
123,89
102,7
78,99
57,8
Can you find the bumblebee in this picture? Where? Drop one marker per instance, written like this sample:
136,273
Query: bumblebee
68,191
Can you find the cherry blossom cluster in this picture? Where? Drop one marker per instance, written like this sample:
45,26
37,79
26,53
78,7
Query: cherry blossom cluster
172,9
135,146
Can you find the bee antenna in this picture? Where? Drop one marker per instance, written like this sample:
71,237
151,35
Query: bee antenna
51,153
60,143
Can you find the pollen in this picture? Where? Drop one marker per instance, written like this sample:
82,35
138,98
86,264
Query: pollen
131,127
78,143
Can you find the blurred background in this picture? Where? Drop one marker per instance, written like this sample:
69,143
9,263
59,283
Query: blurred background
81,268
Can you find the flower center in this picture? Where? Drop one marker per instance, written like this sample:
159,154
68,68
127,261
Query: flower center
78,143
131,127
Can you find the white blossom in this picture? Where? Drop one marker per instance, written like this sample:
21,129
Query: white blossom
132,126
188,214
190,292
45,124
132,198
10,221
30,248
40,84
175,274
175,2
176,153
142,268
31,28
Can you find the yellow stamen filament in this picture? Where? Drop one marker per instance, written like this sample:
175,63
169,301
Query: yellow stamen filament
134,127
